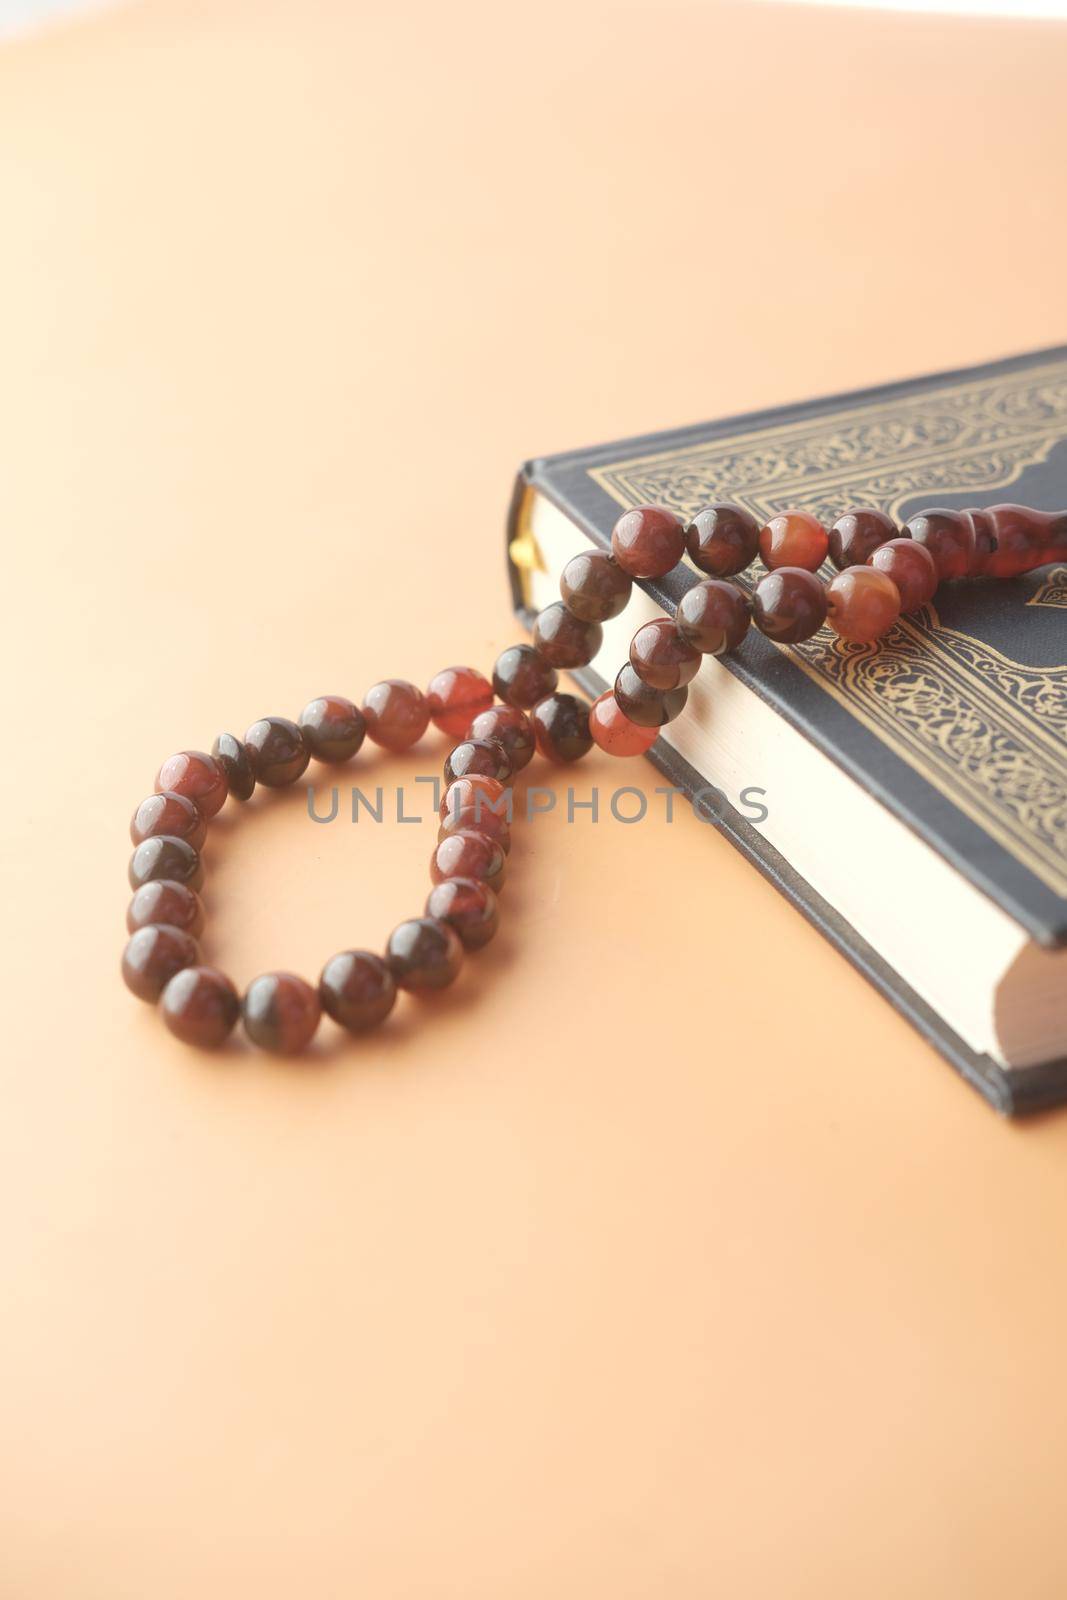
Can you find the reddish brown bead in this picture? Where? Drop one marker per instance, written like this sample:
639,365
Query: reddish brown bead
862,604
949,537
153,955
911,567
396,713
793,539
357,990
196,776
521,677
857,534
488,794
561,727
477,818
172,814
615,733
455,697
563,639
722,539
1012,539
230,754
479,804
512,728
594,587
1053,537
486,758
661,656
470,907
332,728
164,857
985,545
469,854
200,1006
648,541
281,1012
789,605
424,954
165,900
277,751
648,707
714,616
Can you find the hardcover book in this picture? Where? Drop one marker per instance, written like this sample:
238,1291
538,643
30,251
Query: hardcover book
937,756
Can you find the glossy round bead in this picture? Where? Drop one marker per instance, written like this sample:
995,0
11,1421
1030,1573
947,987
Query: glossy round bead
714,616
521,677
277,751
357,990
561,727
477,818
789,605
196,776
911,567
477,804
230,754
281,1012
793,539
862,604
594,587
563,639
172,814
661,656
476,790
648,541
948,536
487,758
648,707
857,534
469,854
200,1006
153,955
455,697
470,907
722,539
511,728
165,857
165,900
615,733
424,953
332,728
396,714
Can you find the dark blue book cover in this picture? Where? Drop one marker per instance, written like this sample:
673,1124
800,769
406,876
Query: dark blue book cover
957,721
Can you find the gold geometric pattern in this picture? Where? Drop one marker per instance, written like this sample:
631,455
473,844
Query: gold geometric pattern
977,435
1053,592
989,733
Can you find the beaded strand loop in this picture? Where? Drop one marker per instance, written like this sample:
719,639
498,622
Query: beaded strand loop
882,573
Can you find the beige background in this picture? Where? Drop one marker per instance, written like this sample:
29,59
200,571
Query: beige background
661,1258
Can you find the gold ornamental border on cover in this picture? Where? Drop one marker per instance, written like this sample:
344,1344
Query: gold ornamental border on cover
988,732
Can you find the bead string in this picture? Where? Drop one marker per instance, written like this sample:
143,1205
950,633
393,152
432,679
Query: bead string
882,572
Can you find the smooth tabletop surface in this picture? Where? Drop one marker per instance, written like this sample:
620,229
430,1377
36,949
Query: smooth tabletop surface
660,1258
